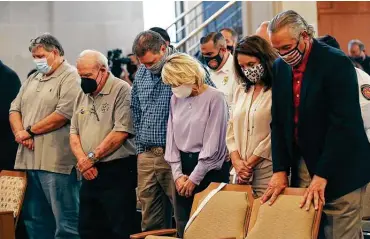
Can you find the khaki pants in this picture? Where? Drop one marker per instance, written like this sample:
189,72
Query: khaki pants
342,219
262,174
155,188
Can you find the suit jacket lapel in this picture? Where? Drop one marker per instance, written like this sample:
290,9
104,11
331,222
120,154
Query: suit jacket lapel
308,77
288,96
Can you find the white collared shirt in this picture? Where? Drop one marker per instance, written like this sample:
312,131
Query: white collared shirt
225,80
364,89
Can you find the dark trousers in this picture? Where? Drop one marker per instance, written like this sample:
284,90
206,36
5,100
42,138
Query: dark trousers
108,203
182,204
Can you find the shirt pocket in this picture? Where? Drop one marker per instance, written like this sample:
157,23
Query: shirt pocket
48,93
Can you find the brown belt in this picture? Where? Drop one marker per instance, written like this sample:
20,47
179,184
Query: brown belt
157,151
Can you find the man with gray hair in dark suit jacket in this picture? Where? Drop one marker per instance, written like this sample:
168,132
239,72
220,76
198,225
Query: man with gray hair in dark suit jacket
317,129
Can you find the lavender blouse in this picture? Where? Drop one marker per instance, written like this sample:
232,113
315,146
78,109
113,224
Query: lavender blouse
197,124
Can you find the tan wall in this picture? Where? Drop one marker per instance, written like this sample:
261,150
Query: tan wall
255,12
78,26
306,9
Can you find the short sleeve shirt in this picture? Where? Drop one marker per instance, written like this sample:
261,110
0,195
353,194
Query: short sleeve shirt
39,97
364,88
95,117
225,80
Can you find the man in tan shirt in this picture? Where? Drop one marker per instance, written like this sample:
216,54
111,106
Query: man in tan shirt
101,138
39,117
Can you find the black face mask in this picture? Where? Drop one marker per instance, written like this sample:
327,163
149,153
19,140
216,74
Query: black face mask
359,59
218,58
89,85
230,48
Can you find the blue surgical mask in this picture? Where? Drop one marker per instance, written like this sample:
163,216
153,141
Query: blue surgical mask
42,65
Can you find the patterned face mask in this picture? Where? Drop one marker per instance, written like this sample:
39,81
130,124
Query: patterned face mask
293,57
156,68
254,73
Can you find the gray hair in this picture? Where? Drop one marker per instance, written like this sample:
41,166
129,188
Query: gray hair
356,42
294,21
48,42
101,59
147,41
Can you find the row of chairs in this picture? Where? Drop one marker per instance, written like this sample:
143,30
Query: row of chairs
232,213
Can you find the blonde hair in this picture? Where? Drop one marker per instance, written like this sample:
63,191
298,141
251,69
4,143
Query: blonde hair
181,68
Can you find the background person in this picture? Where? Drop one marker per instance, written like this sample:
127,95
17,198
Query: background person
163,34
231,38
262,31
10,85
363,84
356,50
220,61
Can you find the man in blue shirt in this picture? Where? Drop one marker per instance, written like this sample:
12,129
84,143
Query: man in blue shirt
150,108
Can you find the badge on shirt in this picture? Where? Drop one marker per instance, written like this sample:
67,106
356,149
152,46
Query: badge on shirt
226,79
104,107
365,91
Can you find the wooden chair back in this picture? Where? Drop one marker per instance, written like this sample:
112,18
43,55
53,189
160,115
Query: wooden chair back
7,229
251,216
229,187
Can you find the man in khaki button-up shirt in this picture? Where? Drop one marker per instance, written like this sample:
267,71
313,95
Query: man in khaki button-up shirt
39,117
101,139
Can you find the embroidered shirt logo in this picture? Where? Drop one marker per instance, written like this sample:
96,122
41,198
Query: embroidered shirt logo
104,107
82,111
225,80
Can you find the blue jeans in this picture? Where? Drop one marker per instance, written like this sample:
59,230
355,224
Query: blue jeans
51,205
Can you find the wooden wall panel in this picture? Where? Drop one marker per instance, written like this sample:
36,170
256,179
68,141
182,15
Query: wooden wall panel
344,21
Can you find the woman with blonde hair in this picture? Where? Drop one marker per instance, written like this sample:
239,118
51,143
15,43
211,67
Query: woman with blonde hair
195,148
248,134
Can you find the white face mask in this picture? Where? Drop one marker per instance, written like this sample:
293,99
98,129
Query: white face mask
42,65
182,91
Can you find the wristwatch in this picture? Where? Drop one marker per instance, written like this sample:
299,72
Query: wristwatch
28,129
92,158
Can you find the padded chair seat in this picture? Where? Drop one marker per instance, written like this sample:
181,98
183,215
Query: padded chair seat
284,219
11,193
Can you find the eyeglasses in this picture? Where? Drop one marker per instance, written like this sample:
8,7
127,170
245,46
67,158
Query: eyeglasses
43,41
37,41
